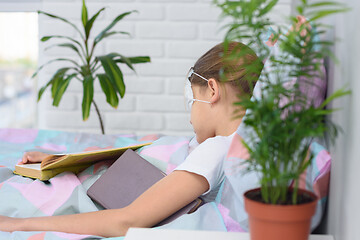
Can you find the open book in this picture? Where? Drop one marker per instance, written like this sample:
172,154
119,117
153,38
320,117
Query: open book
74,162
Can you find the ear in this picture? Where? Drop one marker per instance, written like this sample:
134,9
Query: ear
214,89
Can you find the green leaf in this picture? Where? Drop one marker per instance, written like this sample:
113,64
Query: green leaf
62,88
90,23
54,60
114,73
65,45
42,90
46,38
84,14
268,8
321,4
70,46
300,10
56,80
123,59
321,14
62,19
108,89
108,34
111,25
338,93
88,87
136,60
59,73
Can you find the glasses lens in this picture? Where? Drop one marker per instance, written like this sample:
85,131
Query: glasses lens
190,73
189,97
189,104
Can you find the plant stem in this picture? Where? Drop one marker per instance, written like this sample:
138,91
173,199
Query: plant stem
100,119
295,191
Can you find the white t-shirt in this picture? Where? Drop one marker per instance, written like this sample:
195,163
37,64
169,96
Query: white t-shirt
206,159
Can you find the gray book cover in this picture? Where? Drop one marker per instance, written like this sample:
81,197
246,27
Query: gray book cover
126,179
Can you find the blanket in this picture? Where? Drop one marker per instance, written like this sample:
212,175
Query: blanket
66,192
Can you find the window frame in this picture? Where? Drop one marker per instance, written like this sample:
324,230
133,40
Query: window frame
20,5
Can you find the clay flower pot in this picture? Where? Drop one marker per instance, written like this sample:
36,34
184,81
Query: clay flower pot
279,222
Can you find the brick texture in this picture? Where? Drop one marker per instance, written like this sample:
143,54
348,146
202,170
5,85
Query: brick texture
174,33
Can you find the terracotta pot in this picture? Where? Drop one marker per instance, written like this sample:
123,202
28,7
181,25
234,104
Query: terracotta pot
279,222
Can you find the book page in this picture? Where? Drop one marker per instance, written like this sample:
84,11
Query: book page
35,166
88,157
51,159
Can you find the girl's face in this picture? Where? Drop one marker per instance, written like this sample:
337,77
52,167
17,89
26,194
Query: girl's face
201,119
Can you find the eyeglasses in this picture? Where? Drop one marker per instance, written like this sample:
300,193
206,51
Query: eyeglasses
191,72
189,96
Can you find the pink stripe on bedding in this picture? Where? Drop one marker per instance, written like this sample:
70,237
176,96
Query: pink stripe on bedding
53,147
231,224
48,198
323,159
70,236
39,236
237,149
18,135
163,152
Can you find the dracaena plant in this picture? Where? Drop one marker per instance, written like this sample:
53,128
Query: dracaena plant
88,68
283,120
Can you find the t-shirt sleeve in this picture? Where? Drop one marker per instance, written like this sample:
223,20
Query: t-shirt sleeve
207,160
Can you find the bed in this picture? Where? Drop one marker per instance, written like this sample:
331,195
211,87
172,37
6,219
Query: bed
66,192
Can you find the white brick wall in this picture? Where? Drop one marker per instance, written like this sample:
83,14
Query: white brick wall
174,33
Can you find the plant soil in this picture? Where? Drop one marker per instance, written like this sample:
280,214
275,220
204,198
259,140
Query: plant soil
302,198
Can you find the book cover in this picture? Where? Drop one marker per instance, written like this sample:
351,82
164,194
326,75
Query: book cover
126,179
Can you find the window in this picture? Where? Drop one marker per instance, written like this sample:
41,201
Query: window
18,61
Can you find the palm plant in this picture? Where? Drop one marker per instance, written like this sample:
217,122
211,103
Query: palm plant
89,68
284,120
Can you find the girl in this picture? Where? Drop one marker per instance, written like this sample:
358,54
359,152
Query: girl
212,117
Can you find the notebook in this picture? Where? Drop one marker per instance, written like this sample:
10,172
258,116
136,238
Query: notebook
126,179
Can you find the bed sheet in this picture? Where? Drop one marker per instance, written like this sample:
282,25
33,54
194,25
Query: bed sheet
66,192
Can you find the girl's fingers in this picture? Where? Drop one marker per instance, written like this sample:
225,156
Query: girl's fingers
24,159
32,157
28,157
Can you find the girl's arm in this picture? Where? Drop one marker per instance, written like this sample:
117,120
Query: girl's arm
160,201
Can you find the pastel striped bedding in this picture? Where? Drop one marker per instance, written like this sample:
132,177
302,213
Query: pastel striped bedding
66,193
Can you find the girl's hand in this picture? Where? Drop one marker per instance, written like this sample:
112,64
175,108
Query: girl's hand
33,157
8,224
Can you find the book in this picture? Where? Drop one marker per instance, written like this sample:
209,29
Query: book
74,162
126,179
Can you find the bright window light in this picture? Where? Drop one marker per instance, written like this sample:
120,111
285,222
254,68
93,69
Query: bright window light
18,61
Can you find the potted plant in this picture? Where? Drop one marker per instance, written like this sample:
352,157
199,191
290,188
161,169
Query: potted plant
89,68
284,119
